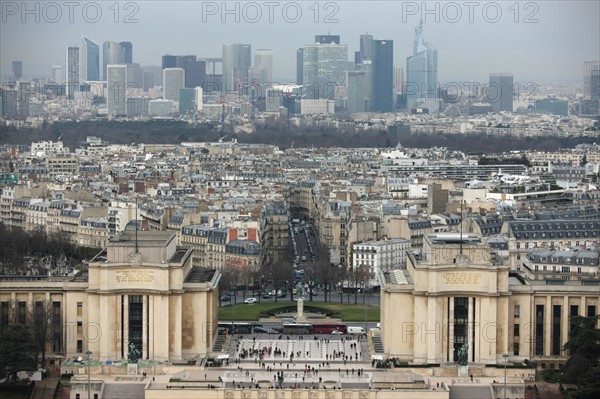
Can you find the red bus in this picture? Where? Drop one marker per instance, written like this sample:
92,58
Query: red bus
328,328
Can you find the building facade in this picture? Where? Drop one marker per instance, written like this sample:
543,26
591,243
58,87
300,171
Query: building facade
455,293
421,75
500,92
90,59
142,289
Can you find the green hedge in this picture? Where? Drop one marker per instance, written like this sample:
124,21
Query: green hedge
293,309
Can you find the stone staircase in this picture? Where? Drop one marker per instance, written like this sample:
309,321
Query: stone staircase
123,390
377,343
219,343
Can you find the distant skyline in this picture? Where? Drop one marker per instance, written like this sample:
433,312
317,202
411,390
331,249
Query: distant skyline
555,47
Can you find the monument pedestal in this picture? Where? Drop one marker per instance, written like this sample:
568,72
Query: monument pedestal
463,371
132,368
300,311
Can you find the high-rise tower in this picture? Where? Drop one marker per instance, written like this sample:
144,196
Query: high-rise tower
111,54
116,83
500,92
173,80
421,75
324,69
90,59
126,49
263,66
237,59
382,64
17,68
72,71
591,80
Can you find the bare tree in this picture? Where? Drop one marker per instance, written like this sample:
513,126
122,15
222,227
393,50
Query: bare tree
359,277
41,327
342,276
279,270
324,270
226,282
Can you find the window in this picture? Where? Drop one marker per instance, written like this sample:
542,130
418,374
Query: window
80,309
516,348
79,346
591,310
22,313
556,330
516,330
539,331
517,311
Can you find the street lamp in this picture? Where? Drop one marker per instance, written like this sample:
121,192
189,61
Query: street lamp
365,287
88,353
505,356
366,312
233,317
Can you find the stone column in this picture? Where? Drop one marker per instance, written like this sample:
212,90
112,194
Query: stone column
470,326
150,336
450,344
125,340
548,326
564,322
143,349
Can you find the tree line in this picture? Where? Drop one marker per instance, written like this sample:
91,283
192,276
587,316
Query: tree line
280,134
278,273
23,252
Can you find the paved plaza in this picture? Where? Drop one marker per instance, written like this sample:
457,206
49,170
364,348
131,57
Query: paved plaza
299,349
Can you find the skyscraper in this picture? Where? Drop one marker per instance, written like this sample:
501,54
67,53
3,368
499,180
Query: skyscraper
366,46
72,71
382,61
90,59
57,73
237,59
591,80
421,75
263,61
300,66
173,80
170,61
500,92
357,97
327,39
126,52
111,54
195,72
135,80
324,69
187,100
17,68
116,83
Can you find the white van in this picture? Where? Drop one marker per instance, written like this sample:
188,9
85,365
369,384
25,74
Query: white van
356,330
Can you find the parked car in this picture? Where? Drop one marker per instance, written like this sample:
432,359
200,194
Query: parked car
225,298
249,300
260,330
281,294
266,295
336,332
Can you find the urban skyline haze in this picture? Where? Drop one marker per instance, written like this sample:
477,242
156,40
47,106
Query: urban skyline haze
472,38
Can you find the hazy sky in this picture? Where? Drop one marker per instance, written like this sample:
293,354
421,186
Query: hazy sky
536,40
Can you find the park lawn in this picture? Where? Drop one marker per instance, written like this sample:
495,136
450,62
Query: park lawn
348,312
